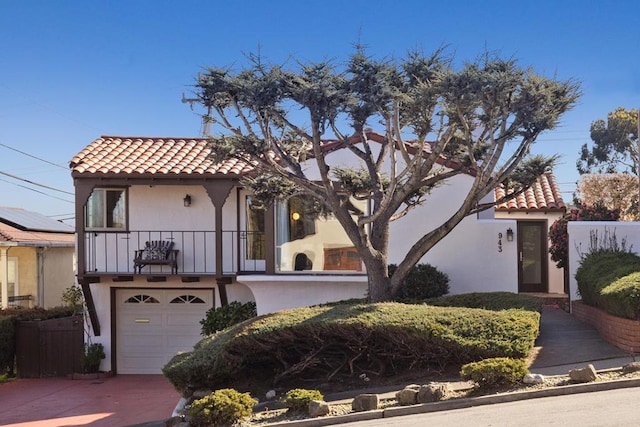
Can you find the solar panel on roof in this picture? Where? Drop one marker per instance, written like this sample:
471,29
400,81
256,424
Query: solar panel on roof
33,221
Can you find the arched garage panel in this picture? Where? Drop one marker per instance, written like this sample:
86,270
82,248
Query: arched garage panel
153,325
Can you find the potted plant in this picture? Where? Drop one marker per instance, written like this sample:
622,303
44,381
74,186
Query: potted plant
90,361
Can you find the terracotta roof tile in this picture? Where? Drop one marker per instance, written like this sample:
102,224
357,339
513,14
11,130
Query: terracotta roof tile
146,155
543,195
12,234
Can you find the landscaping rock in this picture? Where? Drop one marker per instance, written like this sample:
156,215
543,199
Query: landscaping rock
271,394
631,367
407,396
583,375
365,402
433,392
533,379
318,408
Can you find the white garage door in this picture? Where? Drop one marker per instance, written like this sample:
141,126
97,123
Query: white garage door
154,324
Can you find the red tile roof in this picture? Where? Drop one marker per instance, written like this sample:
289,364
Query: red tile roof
544,195
147,155
26,237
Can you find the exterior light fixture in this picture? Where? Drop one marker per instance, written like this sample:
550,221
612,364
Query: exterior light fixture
509,235
295,216
187,201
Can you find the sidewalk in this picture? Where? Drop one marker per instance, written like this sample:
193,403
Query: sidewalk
566,343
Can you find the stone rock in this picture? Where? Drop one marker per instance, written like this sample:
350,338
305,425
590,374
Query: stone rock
433,392
583,375
318,408
271,394
533,379
407,396
631,367
365,402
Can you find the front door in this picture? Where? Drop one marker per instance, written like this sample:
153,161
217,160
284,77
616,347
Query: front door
532,256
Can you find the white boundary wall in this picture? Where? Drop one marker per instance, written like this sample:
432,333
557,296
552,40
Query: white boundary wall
579,242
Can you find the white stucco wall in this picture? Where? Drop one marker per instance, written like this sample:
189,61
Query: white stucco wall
470,254
160,207
555,275
274,293
579,242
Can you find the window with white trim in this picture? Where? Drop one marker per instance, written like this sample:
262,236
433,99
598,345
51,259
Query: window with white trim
106,209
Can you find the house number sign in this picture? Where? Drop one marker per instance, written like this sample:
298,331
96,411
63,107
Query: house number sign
499,242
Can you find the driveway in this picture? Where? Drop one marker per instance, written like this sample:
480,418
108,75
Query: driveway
118,401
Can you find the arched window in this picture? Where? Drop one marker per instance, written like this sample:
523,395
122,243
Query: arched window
187,299
142,299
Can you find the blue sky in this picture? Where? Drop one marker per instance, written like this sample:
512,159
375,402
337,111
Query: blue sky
74,70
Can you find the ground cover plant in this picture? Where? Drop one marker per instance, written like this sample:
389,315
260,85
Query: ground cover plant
490,301
325,344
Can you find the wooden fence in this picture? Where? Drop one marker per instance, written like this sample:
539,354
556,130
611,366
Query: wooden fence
49,348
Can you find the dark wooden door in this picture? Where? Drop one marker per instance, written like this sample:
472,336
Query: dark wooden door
532,256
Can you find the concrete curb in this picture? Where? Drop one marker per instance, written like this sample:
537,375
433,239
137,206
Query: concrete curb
461,403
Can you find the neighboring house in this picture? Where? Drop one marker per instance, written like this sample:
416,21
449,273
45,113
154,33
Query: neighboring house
535,210
133,190
37,256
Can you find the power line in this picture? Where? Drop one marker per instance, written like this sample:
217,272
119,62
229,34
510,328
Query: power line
36,191
32,156
35,183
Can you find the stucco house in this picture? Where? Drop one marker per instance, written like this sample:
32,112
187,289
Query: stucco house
37,259
146,300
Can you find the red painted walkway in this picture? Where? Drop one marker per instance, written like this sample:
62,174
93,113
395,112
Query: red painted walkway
118,401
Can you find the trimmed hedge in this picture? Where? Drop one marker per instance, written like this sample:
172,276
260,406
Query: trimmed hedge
622,297
325,342
490,301
600,269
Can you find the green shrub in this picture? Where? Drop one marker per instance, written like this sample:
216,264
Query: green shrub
600,269
221,318
622,297
330,343
499,371
72,297
90,360
424,281
7,344
490,301
38,313
297,400
223,407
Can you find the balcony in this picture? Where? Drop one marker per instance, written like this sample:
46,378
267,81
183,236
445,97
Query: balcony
112,253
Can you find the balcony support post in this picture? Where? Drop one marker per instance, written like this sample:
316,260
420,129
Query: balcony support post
218,192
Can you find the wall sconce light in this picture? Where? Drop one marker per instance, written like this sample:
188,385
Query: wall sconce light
509,235
295,216
187,201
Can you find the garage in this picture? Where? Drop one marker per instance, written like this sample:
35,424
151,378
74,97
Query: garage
152,325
